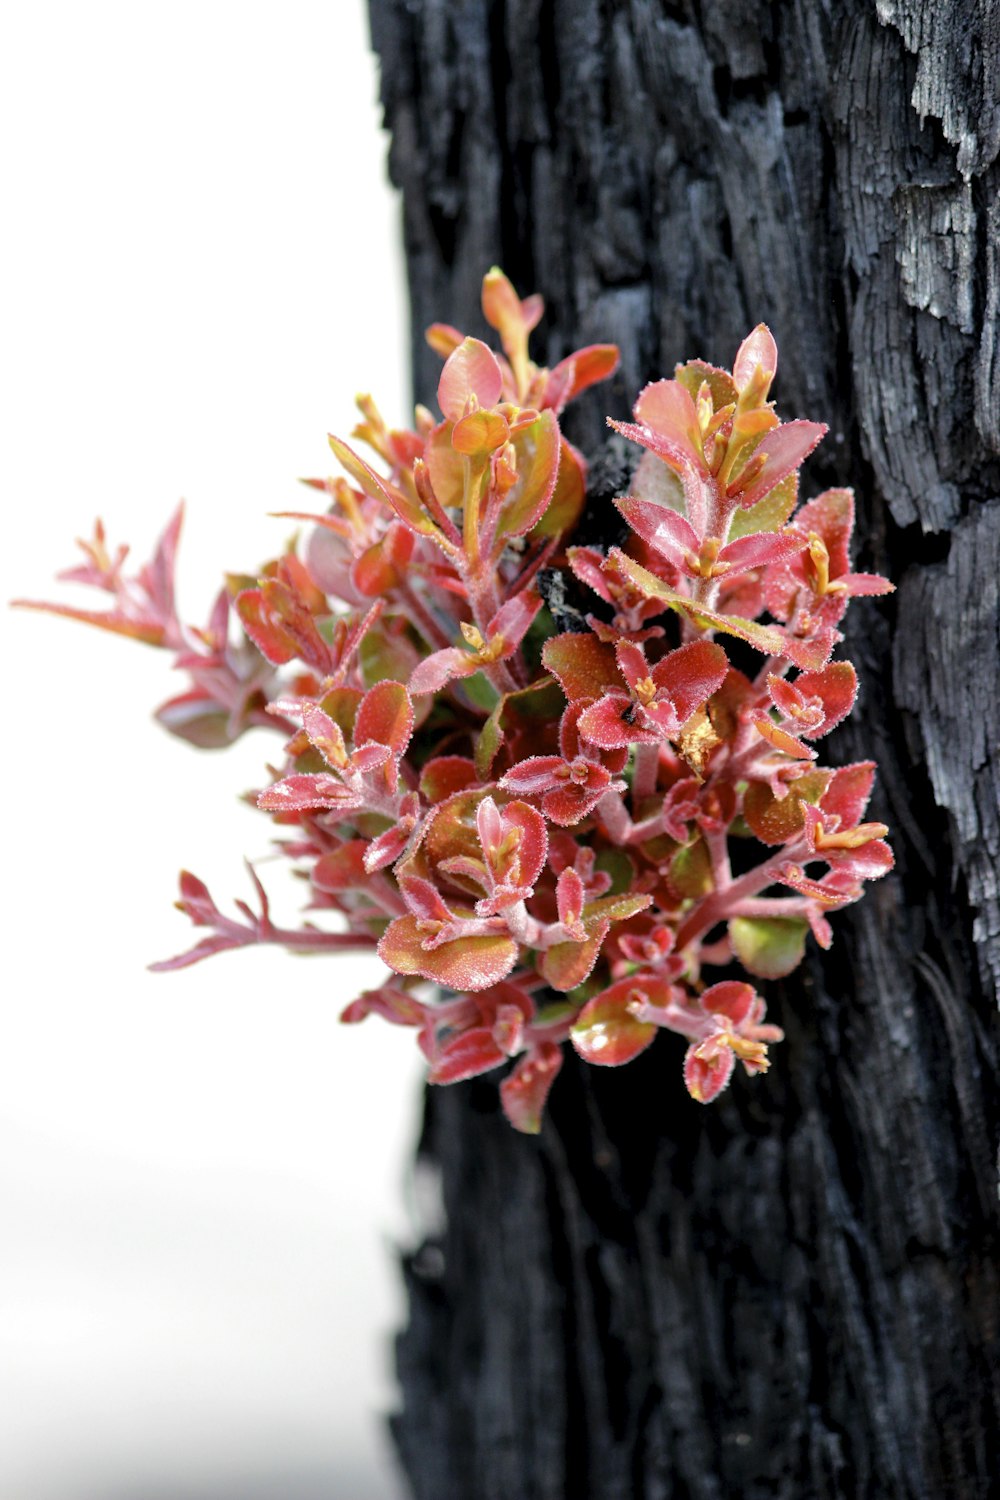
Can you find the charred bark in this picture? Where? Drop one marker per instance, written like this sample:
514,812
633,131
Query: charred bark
795,1292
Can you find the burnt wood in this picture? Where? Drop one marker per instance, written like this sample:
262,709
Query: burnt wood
794,1292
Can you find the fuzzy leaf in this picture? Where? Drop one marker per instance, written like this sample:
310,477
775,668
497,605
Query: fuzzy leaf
446,775
564,508
537,449
848,792
585,666
409,510
707,1070
769,514
668,411
480,433
468,963
467,1055
671,534
470,371
565,965
607,1031
769,947
776,820
385,717
756,362
762,637
690,675
524,1092
615,908
782,450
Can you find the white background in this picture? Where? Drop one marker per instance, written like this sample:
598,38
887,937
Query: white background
201,1174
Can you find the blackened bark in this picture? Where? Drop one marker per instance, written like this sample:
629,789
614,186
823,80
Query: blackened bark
795,1292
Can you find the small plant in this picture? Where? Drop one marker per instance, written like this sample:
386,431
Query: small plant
548,834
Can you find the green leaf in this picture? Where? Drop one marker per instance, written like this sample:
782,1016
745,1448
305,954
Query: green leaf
614,908
537,449
769,947
540,703
762,637
616,863
691,870
769,514
775,820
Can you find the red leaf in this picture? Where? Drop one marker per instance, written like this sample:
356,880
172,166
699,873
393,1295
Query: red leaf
666,530
382,566
302,793
585,367
831,516
466,1056
533,776
470,963
534,841
756,362
514,619
481,432
442,667
690,675
385,717
848,792
471,370
537,447
782,450
707,1069
731,998
761,549
609,724
524,1092
668,411
446,775
607,1030
342,869
585,667
565,965
817,700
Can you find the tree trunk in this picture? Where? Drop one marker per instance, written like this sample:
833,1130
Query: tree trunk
794,1292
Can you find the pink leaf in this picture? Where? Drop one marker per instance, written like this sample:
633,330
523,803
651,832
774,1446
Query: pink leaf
442,667
670,533
585,667
471,371
848,792
385,716
584,368
782,450
761,549
757,353
731,998
303,793
608,723
666,408
466,1056
514,619
525,1091
691,674
707,1069
607,1030
533,776
469,963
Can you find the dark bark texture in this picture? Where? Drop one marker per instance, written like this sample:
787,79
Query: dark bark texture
792,1293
